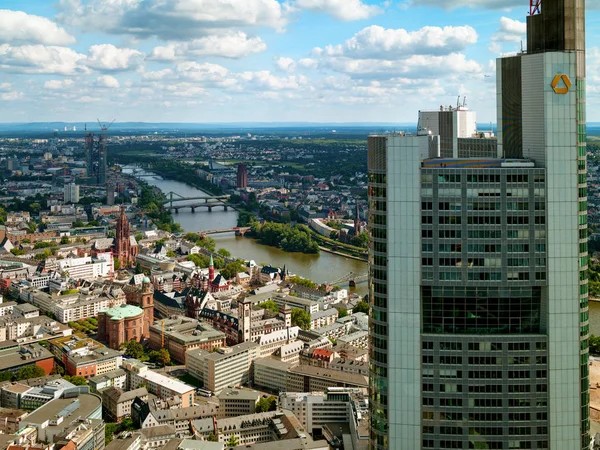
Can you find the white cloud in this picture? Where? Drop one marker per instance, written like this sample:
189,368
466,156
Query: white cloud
157,75
345,10
229,45
107,57
308,63
87,99
19,27
266,80
107,81
478,4
202,72
11,96
59,84
510,30
5,86
380,43
285,64
172,19
41,59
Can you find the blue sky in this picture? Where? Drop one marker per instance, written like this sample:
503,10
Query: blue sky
259,60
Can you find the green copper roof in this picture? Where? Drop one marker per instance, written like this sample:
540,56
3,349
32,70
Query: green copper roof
123,312
211,261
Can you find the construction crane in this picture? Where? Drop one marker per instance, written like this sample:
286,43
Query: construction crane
104,127
535,7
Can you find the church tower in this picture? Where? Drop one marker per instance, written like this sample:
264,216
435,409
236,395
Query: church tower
211,272
122,251
146,302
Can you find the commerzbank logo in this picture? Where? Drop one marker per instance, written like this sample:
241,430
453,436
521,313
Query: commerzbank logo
561,84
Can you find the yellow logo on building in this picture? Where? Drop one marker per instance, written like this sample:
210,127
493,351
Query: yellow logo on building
566,81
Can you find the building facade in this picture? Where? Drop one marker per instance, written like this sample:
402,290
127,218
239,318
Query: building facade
478,281
121,324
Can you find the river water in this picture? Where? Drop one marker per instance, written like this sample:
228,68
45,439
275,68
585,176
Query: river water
321,268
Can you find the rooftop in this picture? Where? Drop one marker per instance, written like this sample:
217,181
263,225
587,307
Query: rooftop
21,356
123,312
476,163
239,394
167,382
81,406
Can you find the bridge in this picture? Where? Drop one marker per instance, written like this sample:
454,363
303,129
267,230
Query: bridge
239,231
195,206
351,278
141,173
174,197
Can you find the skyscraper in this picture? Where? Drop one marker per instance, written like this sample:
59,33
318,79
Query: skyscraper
478,287
242,176
95,158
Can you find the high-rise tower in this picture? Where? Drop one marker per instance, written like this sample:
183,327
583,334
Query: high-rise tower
95,158
478,287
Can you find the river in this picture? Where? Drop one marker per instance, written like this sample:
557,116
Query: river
321,268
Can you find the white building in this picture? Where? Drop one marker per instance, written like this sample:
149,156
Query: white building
71,193
88,268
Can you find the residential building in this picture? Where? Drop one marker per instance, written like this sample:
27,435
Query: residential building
116,378
237,402
316,379
478,277
270,374
56,416
229,366
88,268
152,413
10,420
71,193
317,409
117,402
160,385
323,318
82,434
85,357
14,357
180,334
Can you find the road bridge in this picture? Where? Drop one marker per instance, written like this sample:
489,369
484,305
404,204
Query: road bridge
174,197
351,277
239,231
195,206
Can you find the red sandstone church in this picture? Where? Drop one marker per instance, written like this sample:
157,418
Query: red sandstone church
124,247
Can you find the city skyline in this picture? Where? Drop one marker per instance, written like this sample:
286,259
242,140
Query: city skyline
303,60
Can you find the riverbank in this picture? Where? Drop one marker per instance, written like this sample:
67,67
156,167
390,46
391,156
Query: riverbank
345,255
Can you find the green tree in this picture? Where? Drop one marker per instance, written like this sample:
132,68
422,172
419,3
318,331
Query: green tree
594,344
17,251
161,357
342,312
77,380
65,240
233,441
117,264
266,404
362,240
302,282
171,254
362,307
109,431
212,437
300,318
28,372
224,252
127,424
233,268
270,305
134,349
245,218
199,260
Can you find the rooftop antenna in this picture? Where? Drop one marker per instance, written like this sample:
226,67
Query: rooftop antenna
465,101
458,102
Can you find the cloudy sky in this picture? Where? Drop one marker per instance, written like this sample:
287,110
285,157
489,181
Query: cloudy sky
259,60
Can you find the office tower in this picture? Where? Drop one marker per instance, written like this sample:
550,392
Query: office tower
242,176
71,193
95,158
478,287
110,194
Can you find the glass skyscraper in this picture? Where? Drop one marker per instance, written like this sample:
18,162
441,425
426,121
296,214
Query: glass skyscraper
478,286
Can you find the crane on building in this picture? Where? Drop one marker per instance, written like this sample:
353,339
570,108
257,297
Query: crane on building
105,127
535,7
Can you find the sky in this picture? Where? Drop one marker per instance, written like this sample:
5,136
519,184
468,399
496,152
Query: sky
204,61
